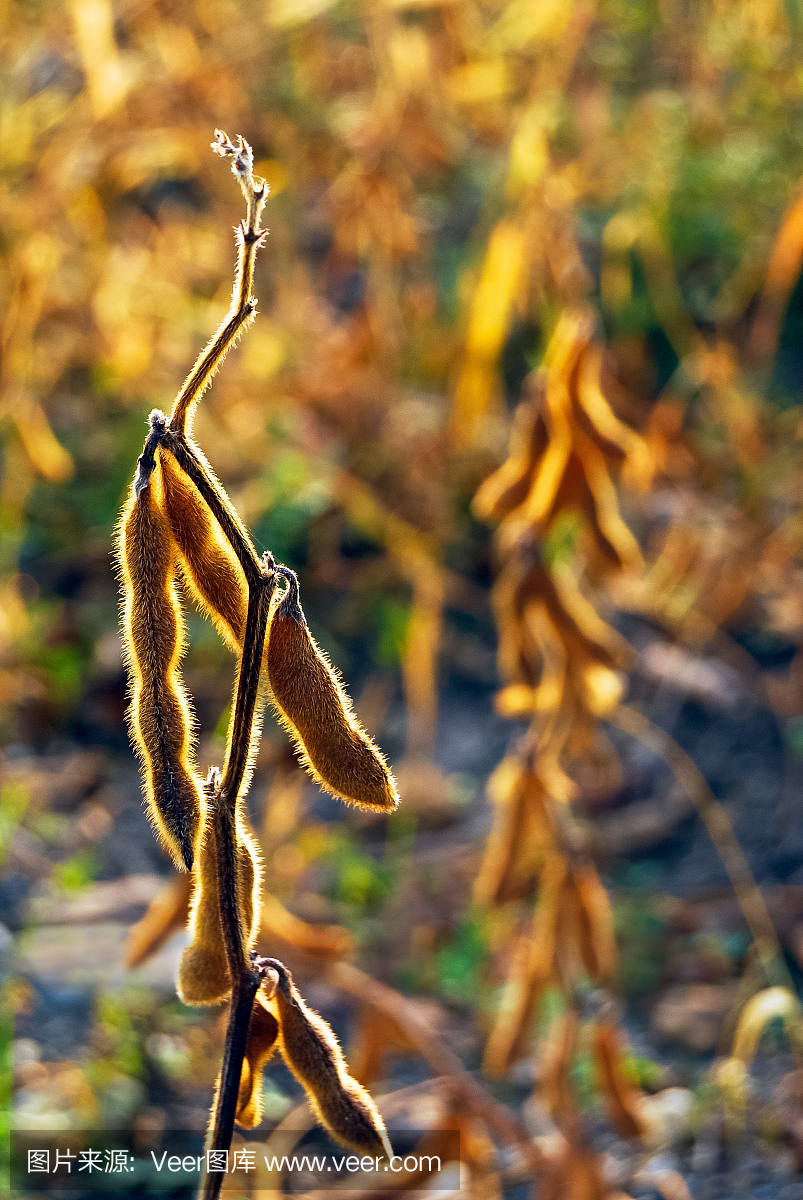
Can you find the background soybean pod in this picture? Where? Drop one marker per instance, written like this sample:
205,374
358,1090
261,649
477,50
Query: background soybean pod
203,973
317,713
209,566
263,1034
160,719
312,1053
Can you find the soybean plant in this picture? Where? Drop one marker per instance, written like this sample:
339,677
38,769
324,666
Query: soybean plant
179,533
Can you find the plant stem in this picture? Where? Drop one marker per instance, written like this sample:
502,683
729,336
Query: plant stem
250,237
223,797
242,739
248,973
244,989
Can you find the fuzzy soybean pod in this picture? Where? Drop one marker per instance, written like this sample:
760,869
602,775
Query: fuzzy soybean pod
312,1053
203,973
263,1035
209,566
318,715
160,718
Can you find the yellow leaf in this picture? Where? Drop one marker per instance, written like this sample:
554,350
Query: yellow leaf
44,450
757,1013
476,82
275,174
491,308
159,152
107,79
408,48
523,22
515,701
284,14
529,150
263,353
496,291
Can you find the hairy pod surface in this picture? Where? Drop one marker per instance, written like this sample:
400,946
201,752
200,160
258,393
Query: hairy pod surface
263,1034
318,715
312,1053
209,567
203,973
160,719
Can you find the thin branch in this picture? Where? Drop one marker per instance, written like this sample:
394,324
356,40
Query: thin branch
250,236
242,727
248,972
241,1007
224,827
718,824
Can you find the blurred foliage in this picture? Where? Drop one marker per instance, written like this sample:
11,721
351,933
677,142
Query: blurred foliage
448,180
460,961
641,933
76,872
423,161
359,881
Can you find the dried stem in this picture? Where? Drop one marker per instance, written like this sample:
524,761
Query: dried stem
250,236
247,972
246,979
241,741
244,989
718,824
241,1006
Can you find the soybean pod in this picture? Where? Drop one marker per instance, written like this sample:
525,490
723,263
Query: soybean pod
318,715
159,716
203,973
311,1051
209,566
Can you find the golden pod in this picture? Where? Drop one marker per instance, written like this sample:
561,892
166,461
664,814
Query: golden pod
509,486
263,1033
559,1052
209,566
317,713
160,719
533,968
203,973
597,939
624,1100
520,839
312,1053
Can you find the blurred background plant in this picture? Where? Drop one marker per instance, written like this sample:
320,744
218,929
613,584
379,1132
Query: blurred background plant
467,199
